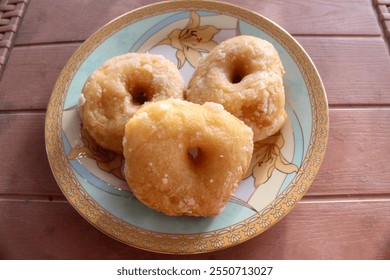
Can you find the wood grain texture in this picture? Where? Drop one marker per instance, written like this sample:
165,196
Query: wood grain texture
76,21
81,19
344,215
343,64
356,160
39,67
311,231
30,75
354,163
24,168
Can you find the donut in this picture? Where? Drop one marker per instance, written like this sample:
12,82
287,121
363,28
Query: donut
245,75
117,89
183,158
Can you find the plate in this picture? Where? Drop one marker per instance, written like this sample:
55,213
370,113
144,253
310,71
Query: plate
283,166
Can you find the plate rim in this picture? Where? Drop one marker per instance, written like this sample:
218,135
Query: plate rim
191,243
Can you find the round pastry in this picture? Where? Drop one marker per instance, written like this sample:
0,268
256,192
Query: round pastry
115,91
245,75
183,158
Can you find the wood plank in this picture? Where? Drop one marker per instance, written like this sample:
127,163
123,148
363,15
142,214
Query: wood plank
38,68
311,231
42,25
343,64
76,22
356,161
319,17
24,168
30,75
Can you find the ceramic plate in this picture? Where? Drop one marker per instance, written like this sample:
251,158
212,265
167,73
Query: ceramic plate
283,166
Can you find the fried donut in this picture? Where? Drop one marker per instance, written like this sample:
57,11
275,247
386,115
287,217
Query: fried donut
115,91
245,75
183,158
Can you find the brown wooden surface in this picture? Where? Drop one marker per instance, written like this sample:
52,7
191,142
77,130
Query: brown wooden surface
353,231
344,17
344,215
39,66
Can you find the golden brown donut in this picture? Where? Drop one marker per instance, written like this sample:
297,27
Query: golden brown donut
183,158
245,75
115,91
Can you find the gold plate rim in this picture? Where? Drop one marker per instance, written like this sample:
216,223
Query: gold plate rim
205,241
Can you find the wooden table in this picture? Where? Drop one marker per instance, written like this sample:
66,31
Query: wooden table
344,215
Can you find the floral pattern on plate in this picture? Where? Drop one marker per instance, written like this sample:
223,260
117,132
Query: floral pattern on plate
284,165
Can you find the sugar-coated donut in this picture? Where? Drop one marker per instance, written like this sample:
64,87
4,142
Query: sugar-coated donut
115,91
183,158
244,74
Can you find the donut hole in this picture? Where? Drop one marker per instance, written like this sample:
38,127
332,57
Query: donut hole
195,155
236,76
140,95
238,70
141,90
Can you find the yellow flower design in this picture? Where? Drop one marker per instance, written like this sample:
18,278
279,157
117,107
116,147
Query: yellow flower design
233,237
309,175
91,213
63,179
301,189
266,157
191,40
183,247
249,230
80,203
148,242
165,245
132,237
200,245
277,211
217,242
71,191
290,200
265,222
117,228
103,221
320,148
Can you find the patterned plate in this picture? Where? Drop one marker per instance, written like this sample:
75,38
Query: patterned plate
283,167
